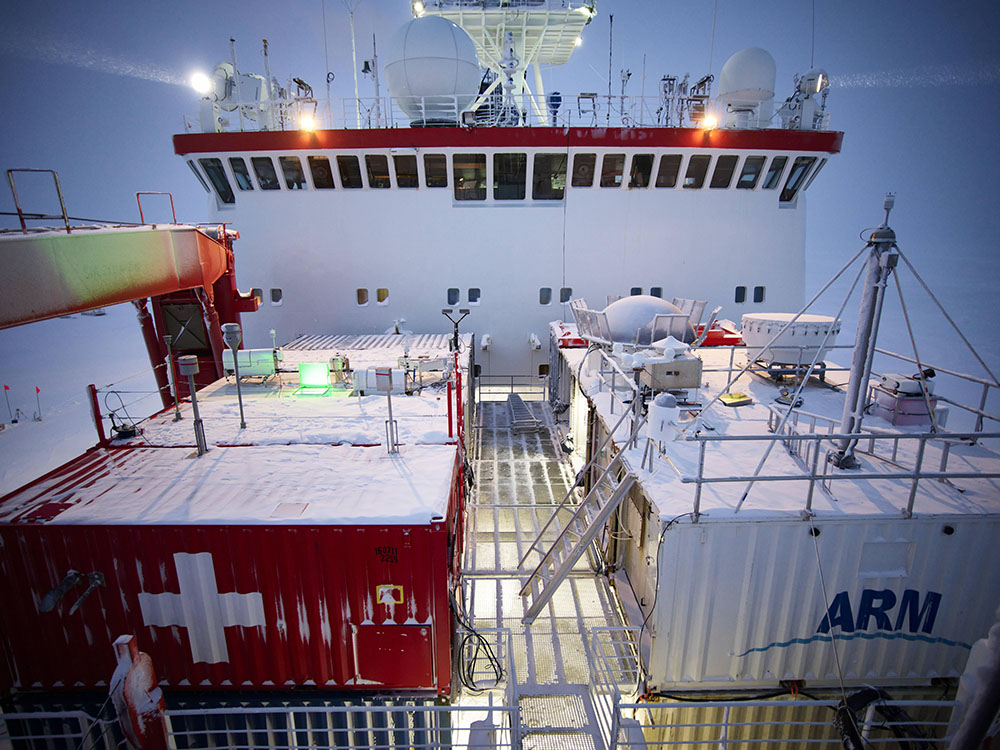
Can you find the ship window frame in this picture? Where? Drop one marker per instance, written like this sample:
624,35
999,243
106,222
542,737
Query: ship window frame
382,296
361,296
696,172
584,167
190,163
545,179
545,295
796,177
822,163
668,179
321,182
759,294
269,179
409,178
635,171
740,295
276,299
635,291
746,171
241,174
453,295
612,170
258,294
349,169
656,291
470,166
436,170
565,294
291,170
772,177
514,174
381,180
543,370
475,295
722,175
216,174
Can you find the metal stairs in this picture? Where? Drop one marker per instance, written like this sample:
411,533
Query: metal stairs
521,417
587,520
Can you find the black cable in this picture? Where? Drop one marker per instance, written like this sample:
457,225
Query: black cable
111,413
483,646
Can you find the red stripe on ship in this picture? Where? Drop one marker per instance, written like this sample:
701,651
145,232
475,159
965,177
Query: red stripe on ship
290,140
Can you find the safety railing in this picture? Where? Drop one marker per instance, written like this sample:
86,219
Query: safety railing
498,387
58,730
553,110
793,721
819,471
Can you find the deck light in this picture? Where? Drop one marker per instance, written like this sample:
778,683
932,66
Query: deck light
418,8
578,42
307,122
709,122
201,83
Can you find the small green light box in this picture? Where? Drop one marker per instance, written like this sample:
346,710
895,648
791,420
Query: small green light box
314,379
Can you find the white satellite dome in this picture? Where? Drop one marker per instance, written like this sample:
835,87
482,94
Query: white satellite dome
630,319
432,69
748,76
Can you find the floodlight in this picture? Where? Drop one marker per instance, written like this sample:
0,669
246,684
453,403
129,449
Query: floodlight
201,83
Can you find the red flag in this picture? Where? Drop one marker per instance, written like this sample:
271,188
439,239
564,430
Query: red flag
37,389
6,387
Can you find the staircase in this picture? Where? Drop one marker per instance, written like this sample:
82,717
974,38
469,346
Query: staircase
587,520
521,418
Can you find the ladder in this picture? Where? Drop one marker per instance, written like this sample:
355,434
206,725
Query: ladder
588,518
521,417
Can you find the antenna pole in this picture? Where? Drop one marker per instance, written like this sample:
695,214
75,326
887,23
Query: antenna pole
881,261
354,58
611,47
378,108
236,80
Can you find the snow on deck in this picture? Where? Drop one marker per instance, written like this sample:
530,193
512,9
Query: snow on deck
850,497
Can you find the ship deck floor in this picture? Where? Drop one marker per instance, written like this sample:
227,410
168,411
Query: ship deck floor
520,479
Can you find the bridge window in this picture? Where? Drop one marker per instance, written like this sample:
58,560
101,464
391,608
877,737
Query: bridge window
263,167
670,165
475,295
800,168
656,291
436,170
566,294
241,173
350,171
752,168
545,295
382,296
362,296
696,171
774,171
216,175
642,170
406,170
453,296
822,163
583,170
510,171
378,171
722,177
198,175
611,170
470,177
549,178
741,295
758,294
291,167
322,175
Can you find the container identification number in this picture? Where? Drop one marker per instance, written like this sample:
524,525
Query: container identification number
387,554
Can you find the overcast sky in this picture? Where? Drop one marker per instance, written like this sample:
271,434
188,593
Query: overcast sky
96,90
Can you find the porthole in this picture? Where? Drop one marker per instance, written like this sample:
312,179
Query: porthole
656,291
545,295
565,294
475,294
382,296
276,296
362,296
741,295
758,294
635,291
453,296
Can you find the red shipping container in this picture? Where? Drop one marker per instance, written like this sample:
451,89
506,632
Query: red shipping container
274,603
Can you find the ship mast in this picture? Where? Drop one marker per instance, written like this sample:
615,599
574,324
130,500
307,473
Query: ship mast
513,35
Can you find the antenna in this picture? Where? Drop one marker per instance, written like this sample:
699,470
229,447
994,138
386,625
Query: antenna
812,50
189,367
232,335
611,47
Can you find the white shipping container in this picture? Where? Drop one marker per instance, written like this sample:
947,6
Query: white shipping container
745,603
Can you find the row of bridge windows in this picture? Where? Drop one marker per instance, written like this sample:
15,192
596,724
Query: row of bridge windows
469,176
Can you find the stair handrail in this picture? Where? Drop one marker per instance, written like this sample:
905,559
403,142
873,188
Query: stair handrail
569,493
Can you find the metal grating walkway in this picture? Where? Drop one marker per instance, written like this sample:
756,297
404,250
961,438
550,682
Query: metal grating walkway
520,478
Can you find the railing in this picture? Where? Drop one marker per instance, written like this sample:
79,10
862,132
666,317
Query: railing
56,730
498,387
581,110
819,471
782,721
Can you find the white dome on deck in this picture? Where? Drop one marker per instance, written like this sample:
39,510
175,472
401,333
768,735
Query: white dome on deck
630,319
748,76
432,69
